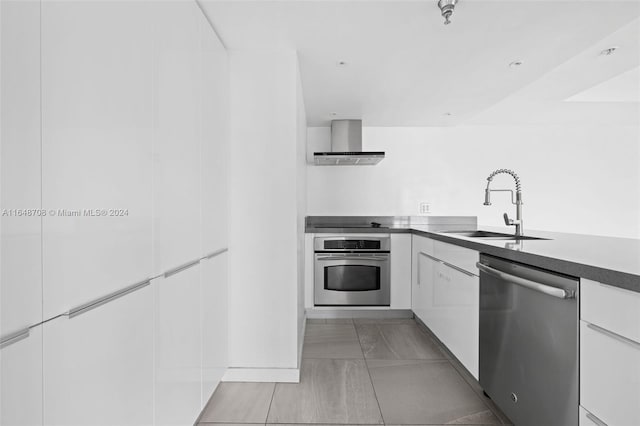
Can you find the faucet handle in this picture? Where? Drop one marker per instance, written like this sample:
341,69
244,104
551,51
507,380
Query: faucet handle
507,221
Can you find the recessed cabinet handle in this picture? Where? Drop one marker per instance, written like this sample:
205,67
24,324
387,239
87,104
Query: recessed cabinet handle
595,420
181,268
14,338
448,265
86,307
215,253
615,336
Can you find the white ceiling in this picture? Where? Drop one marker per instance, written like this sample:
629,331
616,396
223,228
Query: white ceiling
405,68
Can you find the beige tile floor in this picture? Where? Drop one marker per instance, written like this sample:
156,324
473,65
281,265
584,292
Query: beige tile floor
361,372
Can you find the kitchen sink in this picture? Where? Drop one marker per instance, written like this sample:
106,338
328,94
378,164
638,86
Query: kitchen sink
488,235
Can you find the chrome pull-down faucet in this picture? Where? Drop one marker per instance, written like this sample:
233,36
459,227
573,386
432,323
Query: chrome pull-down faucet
518,200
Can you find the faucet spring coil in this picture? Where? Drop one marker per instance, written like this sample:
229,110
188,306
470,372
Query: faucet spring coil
509,172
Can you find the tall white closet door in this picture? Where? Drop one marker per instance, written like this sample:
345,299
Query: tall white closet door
20,268
98,366
214,323
97,148
21,381
20,232
215,140
177,112
178,348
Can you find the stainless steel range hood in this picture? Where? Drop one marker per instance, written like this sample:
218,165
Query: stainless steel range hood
346,147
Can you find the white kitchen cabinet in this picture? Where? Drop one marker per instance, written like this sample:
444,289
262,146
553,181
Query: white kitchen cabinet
177,82
214,95
213,303
20,235
178,348
21,381
447,297
423,270
609,353
612,308
585,418
98,366
97,149
400,271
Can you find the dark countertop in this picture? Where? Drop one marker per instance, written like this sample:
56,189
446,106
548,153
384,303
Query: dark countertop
609,260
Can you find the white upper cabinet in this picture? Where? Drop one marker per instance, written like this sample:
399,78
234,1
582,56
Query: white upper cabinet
98,366
177,76
178,348
215,140
97,149
20,268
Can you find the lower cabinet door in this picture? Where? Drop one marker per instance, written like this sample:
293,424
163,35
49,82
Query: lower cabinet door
455,314
21,381
214,323
178,382
609,375
422,275
98,366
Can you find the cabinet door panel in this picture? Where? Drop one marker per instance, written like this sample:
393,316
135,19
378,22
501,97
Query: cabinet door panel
214,323
400,271
21,266
455,314
178,348
423,270
21,381
97,129
177,113
609,376
215,140
98,366
613,308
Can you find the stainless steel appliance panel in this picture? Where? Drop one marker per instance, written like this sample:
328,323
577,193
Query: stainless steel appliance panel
529,342
352,271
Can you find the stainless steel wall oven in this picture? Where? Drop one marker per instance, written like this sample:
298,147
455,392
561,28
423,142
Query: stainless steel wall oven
352,271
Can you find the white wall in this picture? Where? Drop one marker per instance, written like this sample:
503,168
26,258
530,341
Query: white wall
580,179
262,211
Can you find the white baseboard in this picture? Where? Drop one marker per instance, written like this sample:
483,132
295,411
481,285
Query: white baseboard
281,375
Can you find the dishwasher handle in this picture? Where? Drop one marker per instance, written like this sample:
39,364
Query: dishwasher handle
560,293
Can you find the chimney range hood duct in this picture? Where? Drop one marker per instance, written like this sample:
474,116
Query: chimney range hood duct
346,147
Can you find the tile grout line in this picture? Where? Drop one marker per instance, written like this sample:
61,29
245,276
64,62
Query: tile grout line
266,419
366,366
450,358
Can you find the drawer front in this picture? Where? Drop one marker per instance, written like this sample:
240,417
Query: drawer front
609,376
458,256
613,308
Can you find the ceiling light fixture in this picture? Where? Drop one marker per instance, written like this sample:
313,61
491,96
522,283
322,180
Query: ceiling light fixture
333,114
608,52
341,63
446,7
515,64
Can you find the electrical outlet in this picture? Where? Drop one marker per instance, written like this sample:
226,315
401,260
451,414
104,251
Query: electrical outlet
425,208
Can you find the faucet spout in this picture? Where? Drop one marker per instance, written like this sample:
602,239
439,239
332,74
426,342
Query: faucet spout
518,199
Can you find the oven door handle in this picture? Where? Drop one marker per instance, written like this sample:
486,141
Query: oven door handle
374,259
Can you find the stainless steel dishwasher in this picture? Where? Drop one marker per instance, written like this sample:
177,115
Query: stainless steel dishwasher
529,342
